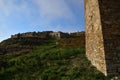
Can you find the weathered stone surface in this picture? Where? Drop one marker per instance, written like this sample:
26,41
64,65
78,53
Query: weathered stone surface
103,35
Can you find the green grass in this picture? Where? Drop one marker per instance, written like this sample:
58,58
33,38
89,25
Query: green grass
49,63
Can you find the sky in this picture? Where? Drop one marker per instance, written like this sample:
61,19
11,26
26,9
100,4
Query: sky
18,16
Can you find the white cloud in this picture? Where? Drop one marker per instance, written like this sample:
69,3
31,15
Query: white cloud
54,9
49,10
8,7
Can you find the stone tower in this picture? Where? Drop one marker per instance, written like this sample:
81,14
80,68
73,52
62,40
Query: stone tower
103,35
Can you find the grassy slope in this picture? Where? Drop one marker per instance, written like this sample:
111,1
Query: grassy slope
46,62
49,63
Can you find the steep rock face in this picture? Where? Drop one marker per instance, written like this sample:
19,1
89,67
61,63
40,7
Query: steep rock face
103,35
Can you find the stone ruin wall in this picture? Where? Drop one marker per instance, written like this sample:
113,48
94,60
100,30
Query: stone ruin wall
94,36
44,34
103,35
110,18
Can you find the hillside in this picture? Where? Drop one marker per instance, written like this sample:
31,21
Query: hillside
21,45
33,58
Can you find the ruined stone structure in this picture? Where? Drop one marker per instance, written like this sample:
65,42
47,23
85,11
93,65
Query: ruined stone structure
28,34
44,34
77,34
103,35
59,35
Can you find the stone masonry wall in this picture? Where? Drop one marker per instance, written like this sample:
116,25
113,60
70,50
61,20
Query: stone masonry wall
94,37
103,35
110,18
